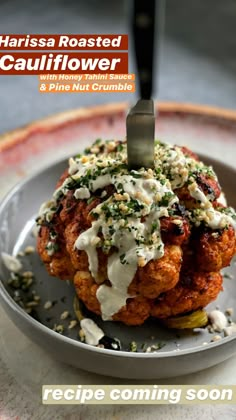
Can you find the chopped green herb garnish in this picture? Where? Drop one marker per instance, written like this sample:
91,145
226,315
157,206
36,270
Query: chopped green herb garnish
154,227
133,347
122,259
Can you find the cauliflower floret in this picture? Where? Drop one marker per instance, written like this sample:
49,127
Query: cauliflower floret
160,275
214,250
194,291
54,254
135,312
86,289
207,184
175,230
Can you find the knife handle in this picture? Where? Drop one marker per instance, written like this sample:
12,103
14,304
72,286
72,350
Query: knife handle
143,26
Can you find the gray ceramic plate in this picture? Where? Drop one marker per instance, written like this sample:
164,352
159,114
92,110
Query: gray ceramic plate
183,352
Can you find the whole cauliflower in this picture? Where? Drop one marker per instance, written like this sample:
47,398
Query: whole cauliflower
138,243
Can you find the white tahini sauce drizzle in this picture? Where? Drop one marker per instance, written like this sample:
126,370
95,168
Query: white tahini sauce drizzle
120,275
212,217
222,199
91,331
121,272
218,220
218,320
85,242
82,193
100,182
127,222
197,193
46,210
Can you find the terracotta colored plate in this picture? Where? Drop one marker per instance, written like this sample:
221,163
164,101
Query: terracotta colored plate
207,130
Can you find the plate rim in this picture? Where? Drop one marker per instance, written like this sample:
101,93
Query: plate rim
10,138
8,300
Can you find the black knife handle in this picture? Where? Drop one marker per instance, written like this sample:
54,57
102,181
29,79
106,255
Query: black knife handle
143,28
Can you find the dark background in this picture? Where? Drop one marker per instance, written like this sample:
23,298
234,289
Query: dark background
197,60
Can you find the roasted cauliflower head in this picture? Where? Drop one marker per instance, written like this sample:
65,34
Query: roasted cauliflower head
138,243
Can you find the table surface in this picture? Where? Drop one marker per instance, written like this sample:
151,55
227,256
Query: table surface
198,46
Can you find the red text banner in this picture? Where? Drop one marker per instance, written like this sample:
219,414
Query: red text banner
63,42
56,63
